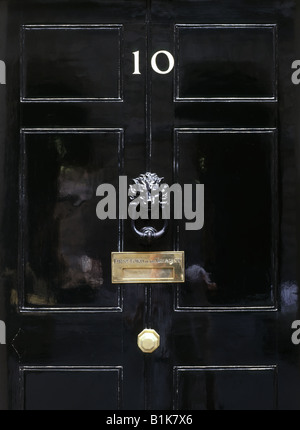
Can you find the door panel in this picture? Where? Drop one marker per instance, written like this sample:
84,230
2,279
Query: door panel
225,388
231,61
239,205
91,52
61,171
72,389
77,118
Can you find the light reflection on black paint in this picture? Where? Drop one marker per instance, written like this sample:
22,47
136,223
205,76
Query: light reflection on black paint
68,249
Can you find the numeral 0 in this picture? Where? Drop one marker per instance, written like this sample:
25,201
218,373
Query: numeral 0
154,65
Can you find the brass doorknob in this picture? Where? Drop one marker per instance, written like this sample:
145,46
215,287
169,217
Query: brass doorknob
148,341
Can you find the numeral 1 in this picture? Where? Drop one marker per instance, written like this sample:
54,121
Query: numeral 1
136,55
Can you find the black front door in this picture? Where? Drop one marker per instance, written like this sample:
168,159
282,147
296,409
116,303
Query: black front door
198,92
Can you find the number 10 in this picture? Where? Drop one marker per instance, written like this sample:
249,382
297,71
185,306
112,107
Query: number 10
154,65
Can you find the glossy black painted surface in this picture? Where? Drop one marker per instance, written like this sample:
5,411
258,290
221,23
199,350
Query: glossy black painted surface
64,265
77,117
